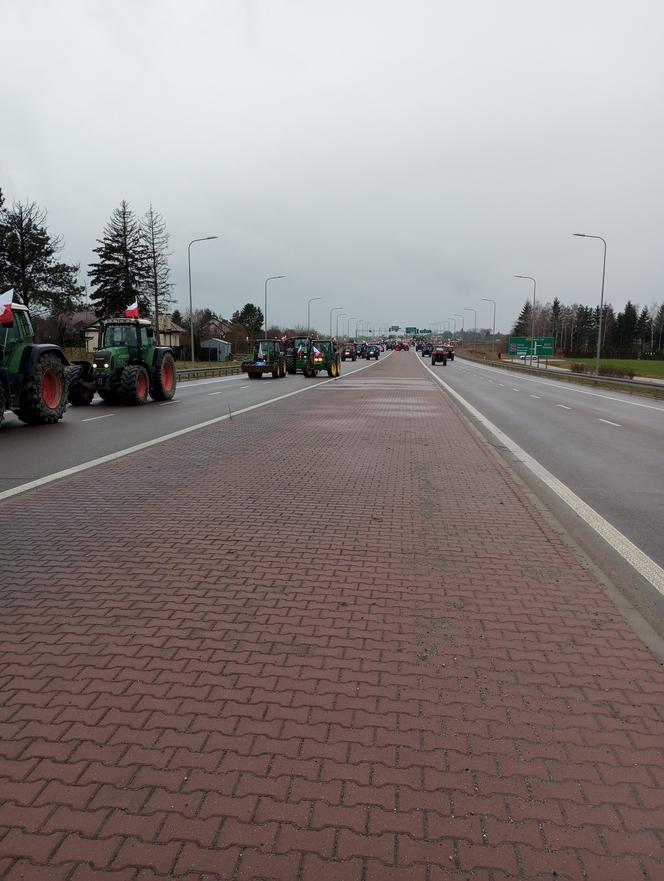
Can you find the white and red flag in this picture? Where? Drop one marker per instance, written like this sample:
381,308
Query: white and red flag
6,314
132,311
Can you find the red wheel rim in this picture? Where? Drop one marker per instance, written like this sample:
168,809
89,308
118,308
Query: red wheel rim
51,388
142,385
167,376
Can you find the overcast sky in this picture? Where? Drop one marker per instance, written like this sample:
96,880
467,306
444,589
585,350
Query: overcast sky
399,158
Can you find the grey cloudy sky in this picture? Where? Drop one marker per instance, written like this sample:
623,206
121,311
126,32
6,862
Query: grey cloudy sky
400,158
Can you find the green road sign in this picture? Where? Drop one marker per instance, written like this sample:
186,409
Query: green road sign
521,345
426,330
517,345
412,330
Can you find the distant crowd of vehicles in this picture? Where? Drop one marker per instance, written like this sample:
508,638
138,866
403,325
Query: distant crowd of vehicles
440,352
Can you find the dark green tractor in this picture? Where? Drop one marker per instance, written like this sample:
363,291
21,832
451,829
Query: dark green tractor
127,368
322,355
33,378
297,351
267,357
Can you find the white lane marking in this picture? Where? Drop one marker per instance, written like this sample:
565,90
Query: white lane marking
145,445
608,422
212,394
642,563
163,403
92,418
194,383
579,391
564,406
535,396
502,384
516,389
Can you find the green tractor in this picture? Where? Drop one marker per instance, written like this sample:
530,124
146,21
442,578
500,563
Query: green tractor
33,378
321,355
126,369
268,357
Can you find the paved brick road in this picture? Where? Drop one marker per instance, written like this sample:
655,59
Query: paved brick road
336,643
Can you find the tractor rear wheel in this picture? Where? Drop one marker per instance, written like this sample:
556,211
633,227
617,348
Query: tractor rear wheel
275,373
2,404
79,395
134,384
282,370
44,395
164,379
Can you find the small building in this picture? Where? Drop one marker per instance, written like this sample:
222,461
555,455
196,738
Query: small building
216,350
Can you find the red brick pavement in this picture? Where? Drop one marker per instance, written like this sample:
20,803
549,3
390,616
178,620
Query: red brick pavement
336,642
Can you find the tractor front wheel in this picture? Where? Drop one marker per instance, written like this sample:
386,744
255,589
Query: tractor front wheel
44,396
80,395
164,379
134,384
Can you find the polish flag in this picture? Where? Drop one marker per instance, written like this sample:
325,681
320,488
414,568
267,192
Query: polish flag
261,357
317,351
132,311
6,314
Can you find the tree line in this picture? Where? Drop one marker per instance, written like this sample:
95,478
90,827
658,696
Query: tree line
131,265
633,332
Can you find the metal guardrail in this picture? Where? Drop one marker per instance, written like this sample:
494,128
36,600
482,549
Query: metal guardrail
599,380
202,372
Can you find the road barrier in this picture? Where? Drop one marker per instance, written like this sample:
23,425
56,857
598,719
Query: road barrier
634,386
202,372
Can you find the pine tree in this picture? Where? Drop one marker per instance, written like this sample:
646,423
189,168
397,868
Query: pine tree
122,273
177,317
659,327
524,321
29,264
251,316
643,328
555,319
156,244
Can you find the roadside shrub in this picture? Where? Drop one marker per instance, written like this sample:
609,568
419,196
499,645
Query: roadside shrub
578,367
623,372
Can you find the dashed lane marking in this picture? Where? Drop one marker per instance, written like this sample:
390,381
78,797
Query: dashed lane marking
92,418
563,406
608,422
637,559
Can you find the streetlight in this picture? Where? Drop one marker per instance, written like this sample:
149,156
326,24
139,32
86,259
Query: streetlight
532,323
270,278
339,315
454,320
463,327
474,311
601,298
493,338
334,309
311,300
348,321
191,308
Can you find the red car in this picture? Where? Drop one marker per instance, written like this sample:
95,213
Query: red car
405,347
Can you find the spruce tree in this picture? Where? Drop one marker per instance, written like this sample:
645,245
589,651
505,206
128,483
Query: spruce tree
121,275
29,264
524,321
251,316
659,327
156,244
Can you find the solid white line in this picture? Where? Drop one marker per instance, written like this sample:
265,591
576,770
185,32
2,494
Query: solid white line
564,406
579,391
119,454
608,422
92,418
642,563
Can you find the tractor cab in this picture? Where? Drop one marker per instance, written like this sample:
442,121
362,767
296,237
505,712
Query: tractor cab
125,341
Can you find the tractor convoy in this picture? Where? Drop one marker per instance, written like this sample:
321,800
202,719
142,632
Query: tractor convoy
37,381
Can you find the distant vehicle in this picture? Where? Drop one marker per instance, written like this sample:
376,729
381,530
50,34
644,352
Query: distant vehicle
528,357
427,349
372,352
405,347
438,355
349,350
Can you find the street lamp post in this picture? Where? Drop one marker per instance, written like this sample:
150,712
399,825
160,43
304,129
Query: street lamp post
493,338
474,311
270,278
339,315
463,327
454,320
191,308
601,298
310,301
348,321
532,323
334,309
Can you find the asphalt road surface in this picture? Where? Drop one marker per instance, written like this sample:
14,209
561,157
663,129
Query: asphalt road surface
85,433
606,446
